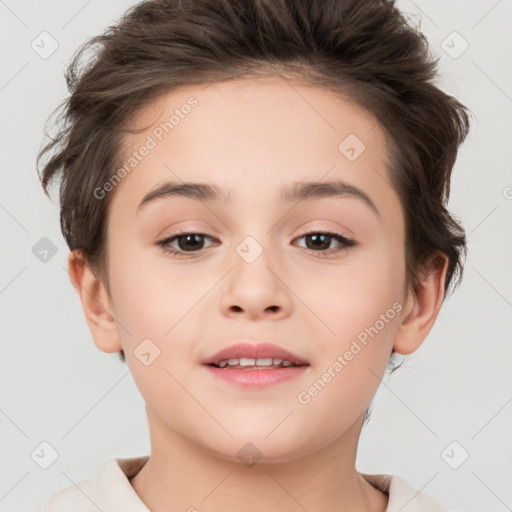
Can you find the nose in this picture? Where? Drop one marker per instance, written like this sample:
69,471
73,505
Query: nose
256,288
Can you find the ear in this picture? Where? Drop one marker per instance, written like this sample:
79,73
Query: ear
423,305
96,303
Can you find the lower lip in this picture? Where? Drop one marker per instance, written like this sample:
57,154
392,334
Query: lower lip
257,378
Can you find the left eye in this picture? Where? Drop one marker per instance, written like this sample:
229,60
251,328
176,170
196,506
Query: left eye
320,240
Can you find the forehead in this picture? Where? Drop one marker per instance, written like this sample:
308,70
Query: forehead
265,107
250,136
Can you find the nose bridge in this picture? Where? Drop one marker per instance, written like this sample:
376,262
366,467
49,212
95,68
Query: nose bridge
253,258
253,233
254,285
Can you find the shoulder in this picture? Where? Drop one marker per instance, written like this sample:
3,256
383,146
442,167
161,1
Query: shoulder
105,491
80,497
402,497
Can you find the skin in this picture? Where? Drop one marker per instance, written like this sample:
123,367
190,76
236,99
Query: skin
251,137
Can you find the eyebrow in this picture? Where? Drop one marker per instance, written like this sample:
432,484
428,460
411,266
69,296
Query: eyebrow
303,191
295,192
200,191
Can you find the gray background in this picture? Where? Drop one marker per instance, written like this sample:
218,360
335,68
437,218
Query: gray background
58,388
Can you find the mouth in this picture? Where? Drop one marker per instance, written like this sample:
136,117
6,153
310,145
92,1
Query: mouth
243,356
246,363
259,365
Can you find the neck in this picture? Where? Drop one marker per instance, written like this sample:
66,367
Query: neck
181,476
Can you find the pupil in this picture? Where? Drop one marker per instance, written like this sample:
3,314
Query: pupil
316,237
188,237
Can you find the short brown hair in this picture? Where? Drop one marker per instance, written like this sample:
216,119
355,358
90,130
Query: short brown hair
361,49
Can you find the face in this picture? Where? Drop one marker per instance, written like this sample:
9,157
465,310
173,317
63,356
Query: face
258,270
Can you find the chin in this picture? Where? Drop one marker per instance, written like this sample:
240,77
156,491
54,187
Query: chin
256,446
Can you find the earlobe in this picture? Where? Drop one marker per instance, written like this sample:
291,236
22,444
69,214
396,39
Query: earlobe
96,303
422,309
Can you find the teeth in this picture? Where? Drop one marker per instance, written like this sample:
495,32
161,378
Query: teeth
245,361
264,362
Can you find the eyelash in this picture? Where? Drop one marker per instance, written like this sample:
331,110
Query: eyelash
345,243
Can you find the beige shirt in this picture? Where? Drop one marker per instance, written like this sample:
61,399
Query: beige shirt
111,491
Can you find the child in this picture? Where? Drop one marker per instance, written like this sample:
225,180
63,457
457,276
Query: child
303,147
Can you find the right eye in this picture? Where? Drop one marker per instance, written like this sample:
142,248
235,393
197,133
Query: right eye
186,243
319,239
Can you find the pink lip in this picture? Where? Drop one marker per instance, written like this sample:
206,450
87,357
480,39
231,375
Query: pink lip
255,378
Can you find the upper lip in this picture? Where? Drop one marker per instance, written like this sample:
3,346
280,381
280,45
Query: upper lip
254,351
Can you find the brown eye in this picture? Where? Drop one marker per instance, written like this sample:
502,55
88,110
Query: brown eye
320,241
190,242
184,243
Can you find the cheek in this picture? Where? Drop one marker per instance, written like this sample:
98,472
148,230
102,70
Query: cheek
351,361
157,307
149,299
360,307
354,296
151,311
